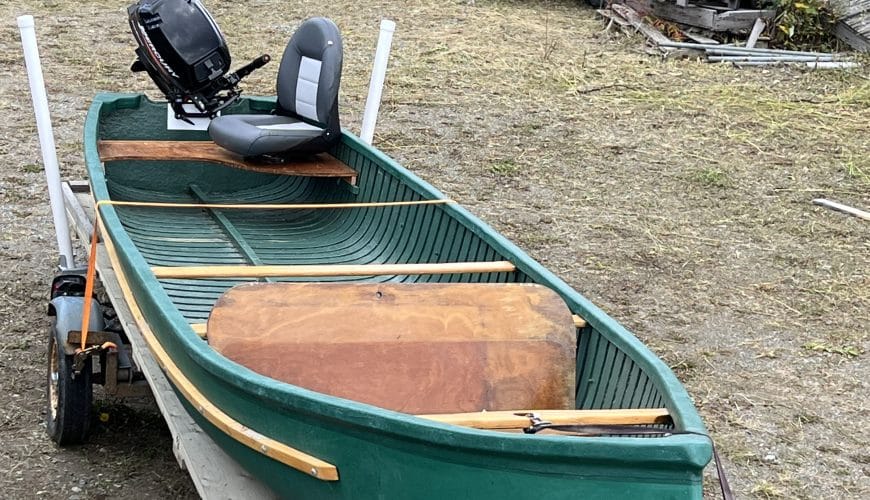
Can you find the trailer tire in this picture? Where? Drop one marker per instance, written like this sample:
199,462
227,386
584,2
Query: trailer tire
69,396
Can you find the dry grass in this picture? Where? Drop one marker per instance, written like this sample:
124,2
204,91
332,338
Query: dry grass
675,194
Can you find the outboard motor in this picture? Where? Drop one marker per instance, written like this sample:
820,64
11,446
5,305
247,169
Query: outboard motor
184,52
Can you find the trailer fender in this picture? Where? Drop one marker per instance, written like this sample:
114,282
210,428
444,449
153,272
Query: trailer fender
68,311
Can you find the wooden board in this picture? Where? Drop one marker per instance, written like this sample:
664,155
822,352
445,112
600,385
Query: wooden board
410,347
321,270
709,18
322,165
215,474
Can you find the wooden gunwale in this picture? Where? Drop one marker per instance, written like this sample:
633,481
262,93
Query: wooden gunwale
276,450
510,420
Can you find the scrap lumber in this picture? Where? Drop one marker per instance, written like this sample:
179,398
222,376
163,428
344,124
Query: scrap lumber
711,19
853,24
697,37
616,18
638,23
757,28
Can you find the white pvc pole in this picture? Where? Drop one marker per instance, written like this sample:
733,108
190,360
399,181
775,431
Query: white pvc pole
46,139
376,86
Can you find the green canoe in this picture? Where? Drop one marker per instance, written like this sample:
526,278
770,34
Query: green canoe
308,444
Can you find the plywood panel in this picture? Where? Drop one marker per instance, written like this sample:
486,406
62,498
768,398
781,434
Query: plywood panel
416,348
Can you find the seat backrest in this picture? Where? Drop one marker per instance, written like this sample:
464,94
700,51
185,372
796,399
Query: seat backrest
410,347
310,73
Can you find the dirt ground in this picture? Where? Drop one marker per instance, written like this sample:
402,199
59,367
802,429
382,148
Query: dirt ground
674,194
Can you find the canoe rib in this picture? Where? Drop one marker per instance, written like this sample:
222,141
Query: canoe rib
510,420
276,450
322,165
308,271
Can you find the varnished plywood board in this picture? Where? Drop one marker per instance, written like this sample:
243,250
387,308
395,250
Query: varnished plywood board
415,347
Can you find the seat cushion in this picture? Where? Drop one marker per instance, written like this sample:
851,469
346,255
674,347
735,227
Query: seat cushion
254,135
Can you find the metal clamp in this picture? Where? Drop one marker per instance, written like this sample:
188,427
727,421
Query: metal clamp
535,423
81,356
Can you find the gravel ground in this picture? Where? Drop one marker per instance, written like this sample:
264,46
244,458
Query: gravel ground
674,194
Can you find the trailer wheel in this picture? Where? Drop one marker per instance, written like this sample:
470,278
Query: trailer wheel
68,415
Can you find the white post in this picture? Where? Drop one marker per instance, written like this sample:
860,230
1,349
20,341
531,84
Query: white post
376,86
46,139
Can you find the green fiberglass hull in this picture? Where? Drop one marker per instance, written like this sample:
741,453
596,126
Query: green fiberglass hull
378,453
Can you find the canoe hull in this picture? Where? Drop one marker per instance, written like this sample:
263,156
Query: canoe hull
379,453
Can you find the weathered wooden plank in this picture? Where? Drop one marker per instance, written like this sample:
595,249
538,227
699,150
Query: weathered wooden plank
510,419
78,218
849,8
740,20
311,271
757,28
691,15
638,23
708,18
409,347
613,17
701,38
852,37
322,165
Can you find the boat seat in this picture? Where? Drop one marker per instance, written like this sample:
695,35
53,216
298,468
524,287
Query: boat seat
306,118
411,347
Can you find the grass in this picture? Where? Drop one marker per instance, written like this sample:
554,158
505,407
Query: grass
710,177
847,351
505,167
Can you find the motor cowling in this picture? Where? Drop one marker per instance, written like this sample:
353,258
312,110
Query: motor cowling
184,52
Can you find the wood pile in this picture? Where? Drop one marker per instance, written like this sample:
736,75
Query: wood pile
853,25
631,19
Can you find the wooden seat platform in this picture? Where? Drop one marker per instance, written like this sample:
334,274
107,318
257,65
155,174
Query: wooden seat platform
410,347
322,165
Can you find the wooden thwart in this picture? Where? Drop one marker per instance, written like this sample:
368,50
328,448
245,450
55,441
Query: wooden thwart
509,419
322,165
309,271
199,329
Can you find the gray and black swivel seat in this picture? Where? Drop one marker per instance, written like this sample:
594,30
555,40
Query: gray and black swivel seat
305,121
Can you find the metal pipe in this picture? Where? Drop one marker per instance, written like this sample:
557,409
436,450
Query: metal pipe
46,139
743,52
811,65
376,86
765,59
707,46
